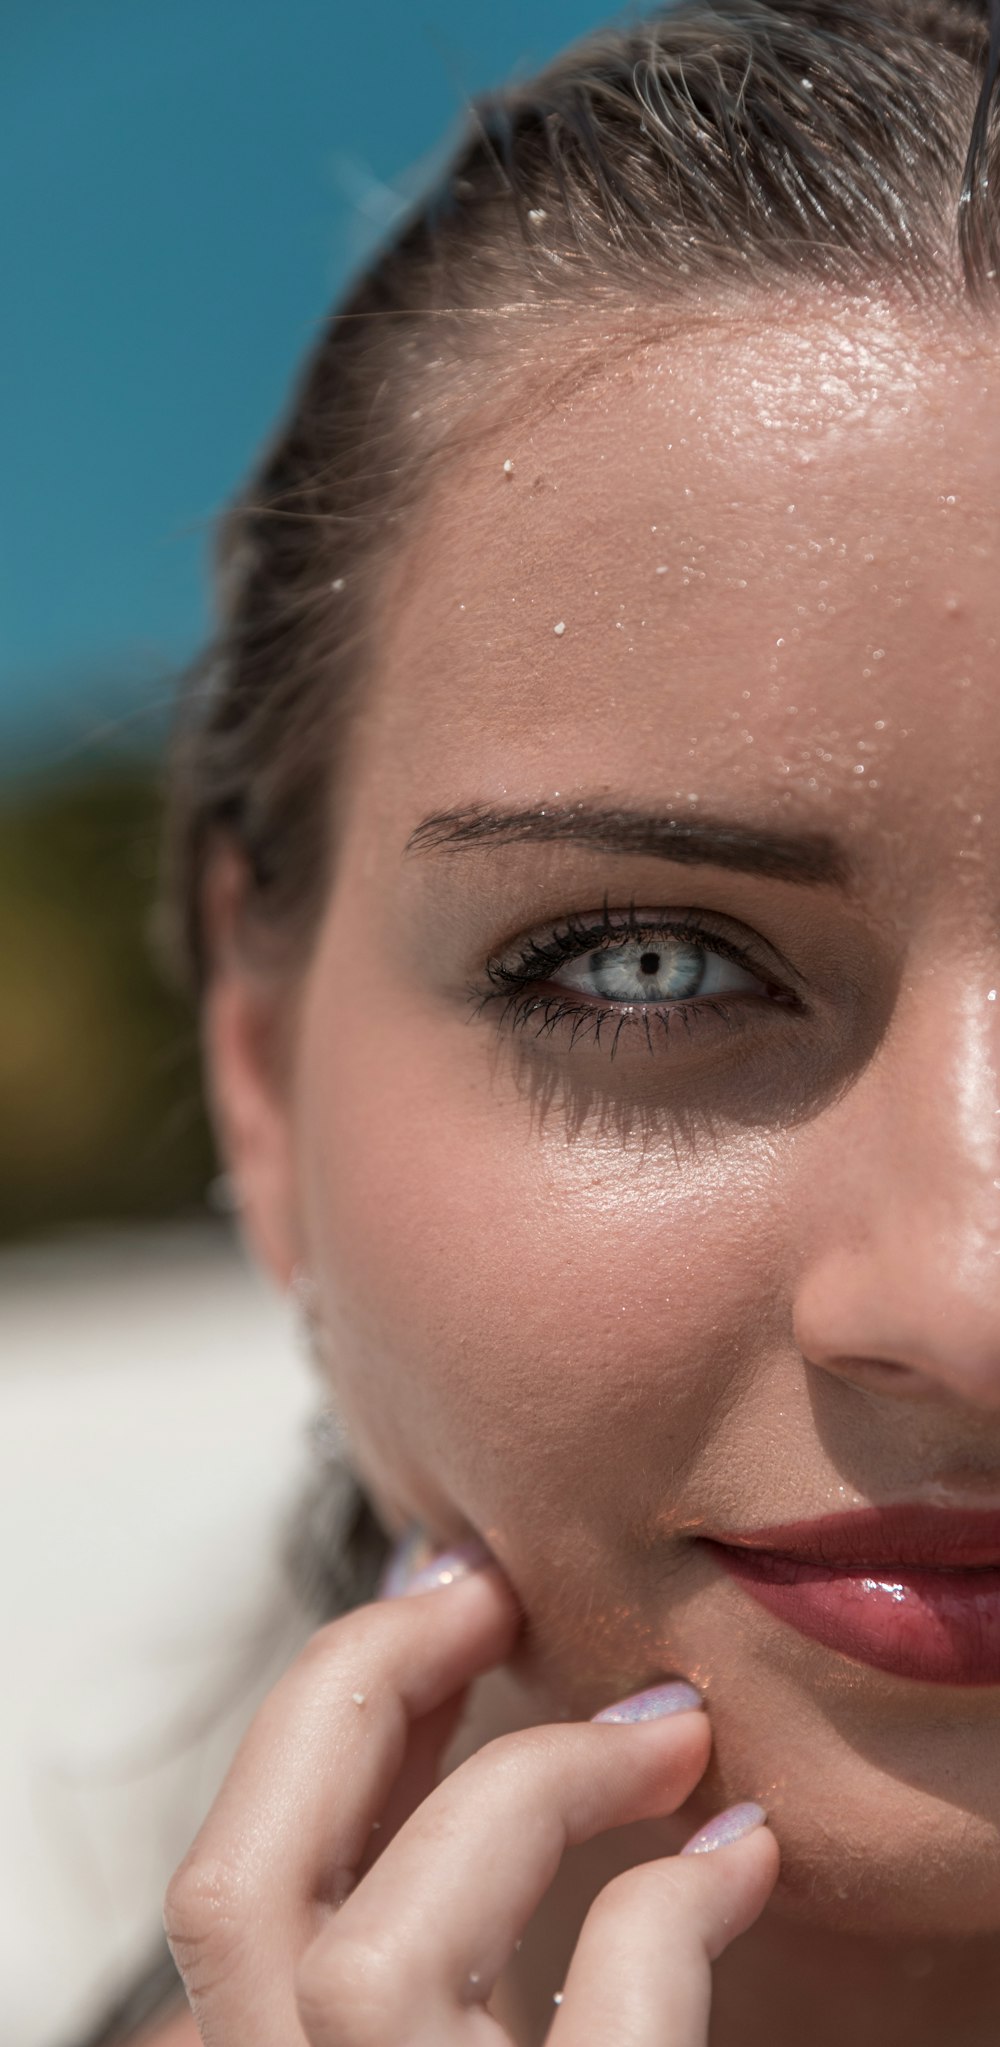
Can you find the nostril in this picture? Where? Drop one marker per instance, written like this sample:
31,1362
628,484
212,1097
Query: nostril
877,1375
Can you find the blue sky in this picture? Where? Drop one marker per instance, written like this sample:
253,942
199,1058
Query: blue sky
191,182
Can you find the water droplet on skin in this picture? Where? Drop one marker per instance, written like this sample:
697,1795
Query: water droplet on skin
508,467
991,995
559,629
662,570
338,583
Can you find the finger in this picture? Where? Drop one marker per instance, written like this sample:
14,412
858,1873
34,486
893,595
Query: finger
437,1917
641,1971
293,1817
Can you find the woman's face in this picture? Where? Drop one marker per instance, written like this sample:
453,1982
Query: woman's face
694,708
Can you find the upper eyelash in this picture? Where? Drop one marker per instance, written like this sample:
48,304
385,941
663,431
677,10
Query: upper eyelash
573,937
515,982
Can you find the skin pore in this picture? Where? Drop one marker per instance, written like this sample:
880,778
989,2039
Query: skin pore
590,1292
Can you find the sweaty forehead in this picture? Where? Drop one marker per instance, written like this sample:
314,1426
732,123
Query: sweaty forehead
765,551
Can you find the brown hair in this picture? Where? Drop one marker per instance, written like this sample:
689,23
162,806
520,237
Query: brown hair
720,146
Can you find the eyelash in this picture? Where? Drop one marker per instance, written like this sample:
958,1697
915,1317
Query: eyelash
514,980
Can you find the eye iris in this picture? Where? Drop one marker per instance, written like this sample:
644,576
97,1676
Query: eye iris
633,973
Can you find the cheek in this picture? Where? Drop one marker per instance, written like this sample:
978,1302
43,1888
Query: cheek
534,1332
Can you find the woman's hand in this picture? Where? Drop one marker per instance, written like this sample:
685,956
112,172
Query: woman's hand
337,1897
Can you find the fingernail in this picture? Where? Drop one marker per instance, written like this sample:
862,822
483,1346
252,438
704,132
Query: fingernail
449,1564
652,1704
408,1556
412,1566
727,1826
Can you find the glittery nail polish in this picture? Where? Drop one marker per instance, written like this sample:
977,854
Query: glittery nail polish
415,1566
727,1826
409,1555
449,1564
652,1704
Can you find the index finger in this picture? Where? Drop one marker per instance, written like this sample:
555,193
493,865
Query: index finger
295,1812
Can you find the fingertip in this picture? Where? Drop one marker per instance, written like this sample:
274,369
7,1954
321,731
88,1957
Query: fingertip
734,1877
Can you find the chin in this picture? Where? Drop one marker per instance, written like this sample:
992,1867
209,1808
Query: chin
884,1794
928,1879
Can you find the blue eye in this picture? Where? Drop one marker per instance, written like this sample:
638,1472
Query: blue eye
655,970
632,968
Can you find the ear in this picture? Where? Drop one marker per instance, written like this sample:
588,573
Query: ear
245,1032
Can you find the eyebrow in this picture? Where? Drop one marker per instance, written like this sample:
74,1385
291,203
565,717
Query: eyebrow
807,857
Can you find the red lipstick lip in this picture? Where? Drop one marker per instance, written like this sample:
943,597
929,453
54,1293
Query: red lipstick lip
907,1589
928,1538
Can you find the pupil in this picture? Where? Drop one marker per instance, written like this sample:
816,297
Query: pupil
649,963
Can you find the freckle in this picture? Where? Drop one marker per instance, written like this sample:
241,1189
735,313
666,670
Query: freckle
559,629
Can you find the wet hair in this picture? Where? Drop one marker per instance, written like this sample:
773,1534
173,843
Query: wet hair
714,151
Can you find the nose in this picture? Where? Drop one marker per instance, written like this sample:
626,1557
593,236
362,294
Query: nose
900,1289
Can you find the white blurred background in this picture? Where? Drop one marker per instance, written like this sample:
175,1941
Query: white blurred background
152,1411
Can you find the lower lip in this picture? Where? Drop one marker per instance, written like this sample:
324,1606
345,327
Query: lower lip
941,1626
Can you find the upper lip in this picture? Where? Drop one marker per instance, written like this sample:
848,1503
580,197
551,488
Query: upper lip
932,1538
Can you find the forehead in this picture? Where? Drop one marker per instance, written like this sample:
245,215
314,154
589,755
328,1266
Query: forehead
754,559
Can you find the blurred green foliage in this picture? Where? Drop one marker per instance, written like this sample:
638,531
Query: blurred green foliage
100,1107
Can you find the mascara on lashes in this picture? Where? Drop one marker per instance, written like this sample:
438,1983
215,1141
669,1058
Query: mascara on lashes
518,980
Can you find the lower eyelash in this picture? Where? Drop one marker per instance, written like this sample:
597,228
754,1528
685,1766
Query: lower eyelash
589,1019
